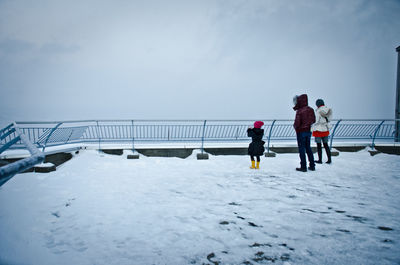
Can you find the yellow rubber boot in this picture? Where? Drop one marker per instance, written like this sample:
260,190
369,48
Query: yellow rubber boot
258,165
253,164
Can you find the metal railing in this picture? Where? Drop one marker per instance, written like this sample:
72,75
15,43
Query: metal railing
14,133
34,135
46,134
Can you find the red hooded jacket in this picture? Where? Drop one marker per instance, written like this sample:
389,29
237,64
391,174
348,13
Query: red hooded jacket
305,115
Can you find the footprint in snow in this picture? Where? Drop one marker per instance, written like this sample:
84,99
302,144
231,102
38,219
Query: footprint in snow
343,230
68,203
257,245
212,256
286,246
56,214
385,228
252,224
359,219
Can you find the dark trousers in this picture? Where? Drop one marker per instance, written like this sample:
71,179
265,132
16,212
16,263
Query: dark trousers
252,158
303,142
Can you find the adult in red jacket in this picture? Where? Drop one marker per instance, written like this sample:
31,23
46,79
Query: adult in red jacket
305,117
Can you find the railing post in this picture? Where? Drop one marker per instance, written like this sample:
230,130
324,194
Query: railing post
98,133
48,136
237,132
269,135
376,131
133,137
202,138
333,133
202,155
397,113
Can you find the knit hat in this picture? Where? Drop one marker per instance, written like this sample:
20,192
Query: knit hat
258,124
319,103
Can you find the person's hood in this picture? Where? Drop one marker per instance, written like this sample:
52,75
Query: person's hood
324,111
302,101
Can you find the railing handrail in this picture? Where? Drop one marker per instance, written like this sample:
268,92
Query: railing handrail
183,120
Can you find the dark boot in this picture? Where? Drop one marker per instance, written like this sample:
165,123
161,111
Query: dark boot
301,169
319,151
328,153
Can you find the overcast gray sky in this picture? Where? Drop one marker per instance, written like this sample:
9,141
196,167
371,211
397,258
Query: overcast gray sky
205,59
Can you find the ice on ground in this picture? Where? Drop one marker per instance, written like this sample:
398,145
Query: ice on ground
105,209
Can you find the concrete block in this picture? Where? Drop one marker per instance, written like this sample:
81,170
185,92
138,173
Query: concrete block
133,156
349,148
170,152
284,150
392,150
373,152
270,154
117,152
202,156
58,158
226,151
334,152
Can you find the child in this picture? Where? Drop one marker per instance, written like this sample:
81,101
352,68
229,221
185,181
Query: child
256,147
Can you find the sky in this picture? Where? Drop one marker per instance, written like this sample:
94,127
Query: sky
209,59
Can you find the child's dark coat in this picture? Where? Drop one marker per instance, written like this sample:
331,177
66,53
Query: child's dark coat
256,147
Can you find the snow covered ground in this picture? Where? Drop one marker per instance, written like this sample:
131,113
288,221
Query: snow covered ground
104,209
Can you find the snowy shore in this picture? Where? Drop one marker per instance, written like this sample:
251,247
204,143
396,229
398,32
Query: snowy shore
105,209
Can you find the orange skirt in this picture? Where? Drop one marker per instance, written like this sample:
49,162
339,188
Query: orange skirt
320,134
